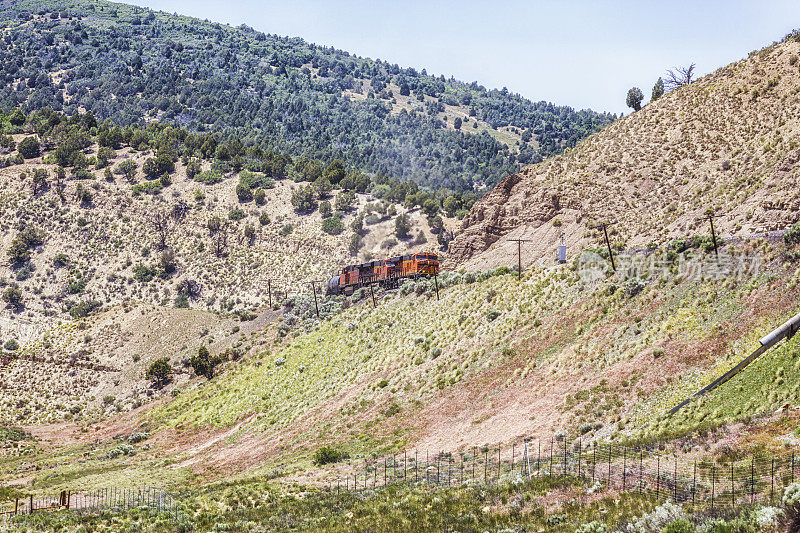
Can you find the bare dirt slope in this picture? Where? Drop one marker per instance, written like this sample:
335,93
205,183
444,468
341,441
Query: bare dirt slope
96,367
727,142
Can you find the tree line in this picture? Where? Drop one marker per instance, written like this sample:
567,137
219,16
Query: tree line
132,66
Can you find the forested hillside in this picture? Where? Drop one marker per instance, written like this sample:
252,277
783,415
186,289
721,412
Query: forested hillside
134,65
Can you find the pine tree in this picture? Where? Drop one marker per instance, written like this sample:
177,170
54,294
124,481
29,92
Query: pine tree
658,90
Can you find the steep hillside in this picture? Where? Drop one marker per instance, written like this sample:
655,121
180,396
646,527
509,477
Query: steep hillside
134,65
728,143
129,246
114,227
491,360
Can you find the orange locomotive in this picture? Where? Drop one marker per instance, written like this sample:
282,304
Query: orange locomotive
386,273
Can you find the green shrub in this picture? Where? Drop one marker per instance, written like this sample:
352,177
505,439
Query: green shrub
122,449
28,147
159,371
243,192
60,260
679,526
18,252
325,208
138,437
793,235
144,273
203,363
260,196
13,296
492,314
209,177
84,309
333,225
236,214
327,455
11,345
304,199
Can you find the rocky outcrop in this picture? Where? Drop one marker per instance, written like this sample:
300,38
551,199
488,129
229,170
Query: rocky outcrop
711,145
506,207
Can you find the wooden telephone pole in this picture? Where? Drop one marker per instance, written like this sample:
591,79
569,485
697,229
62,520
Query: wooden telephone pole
710,218
314,288
605,225
519,255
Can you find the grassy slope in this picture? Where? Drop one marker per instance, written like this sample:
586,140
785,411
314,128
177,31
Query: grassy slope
420,372
560,354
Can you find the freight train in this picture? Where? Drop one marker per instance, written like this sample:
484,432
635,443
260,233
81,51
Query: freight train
388,273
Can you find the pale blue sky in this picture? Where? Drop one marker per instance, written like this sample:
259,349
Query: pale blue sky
579,53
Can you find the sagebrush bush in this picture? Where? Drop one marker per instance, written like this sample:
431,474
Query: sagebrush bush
658,519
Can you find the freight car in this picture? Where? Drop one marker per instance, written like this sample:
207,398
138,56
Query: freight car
388,273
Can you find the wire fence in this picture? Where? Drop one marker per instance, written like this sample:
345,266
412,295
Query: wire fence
606,466
148,499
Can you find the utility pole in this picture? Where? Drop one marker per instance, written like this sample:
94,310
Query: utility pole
710,217
314,288
269,290
519,255
605,225
372,292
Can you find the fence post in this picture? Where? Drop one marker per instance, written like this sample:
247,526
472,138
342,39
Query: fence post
658,476
485,466
713,486
384,471
733,489
498,465
772,482
752,479
594,459
565,455
30,508
792,467
694,482
675,480
641,457
551,456
610,452
450,470
539,459
624,467
580,451
474,460
513,450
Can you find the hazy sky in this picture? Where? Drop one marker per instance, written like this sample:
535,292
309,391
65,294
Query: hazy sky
580,53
